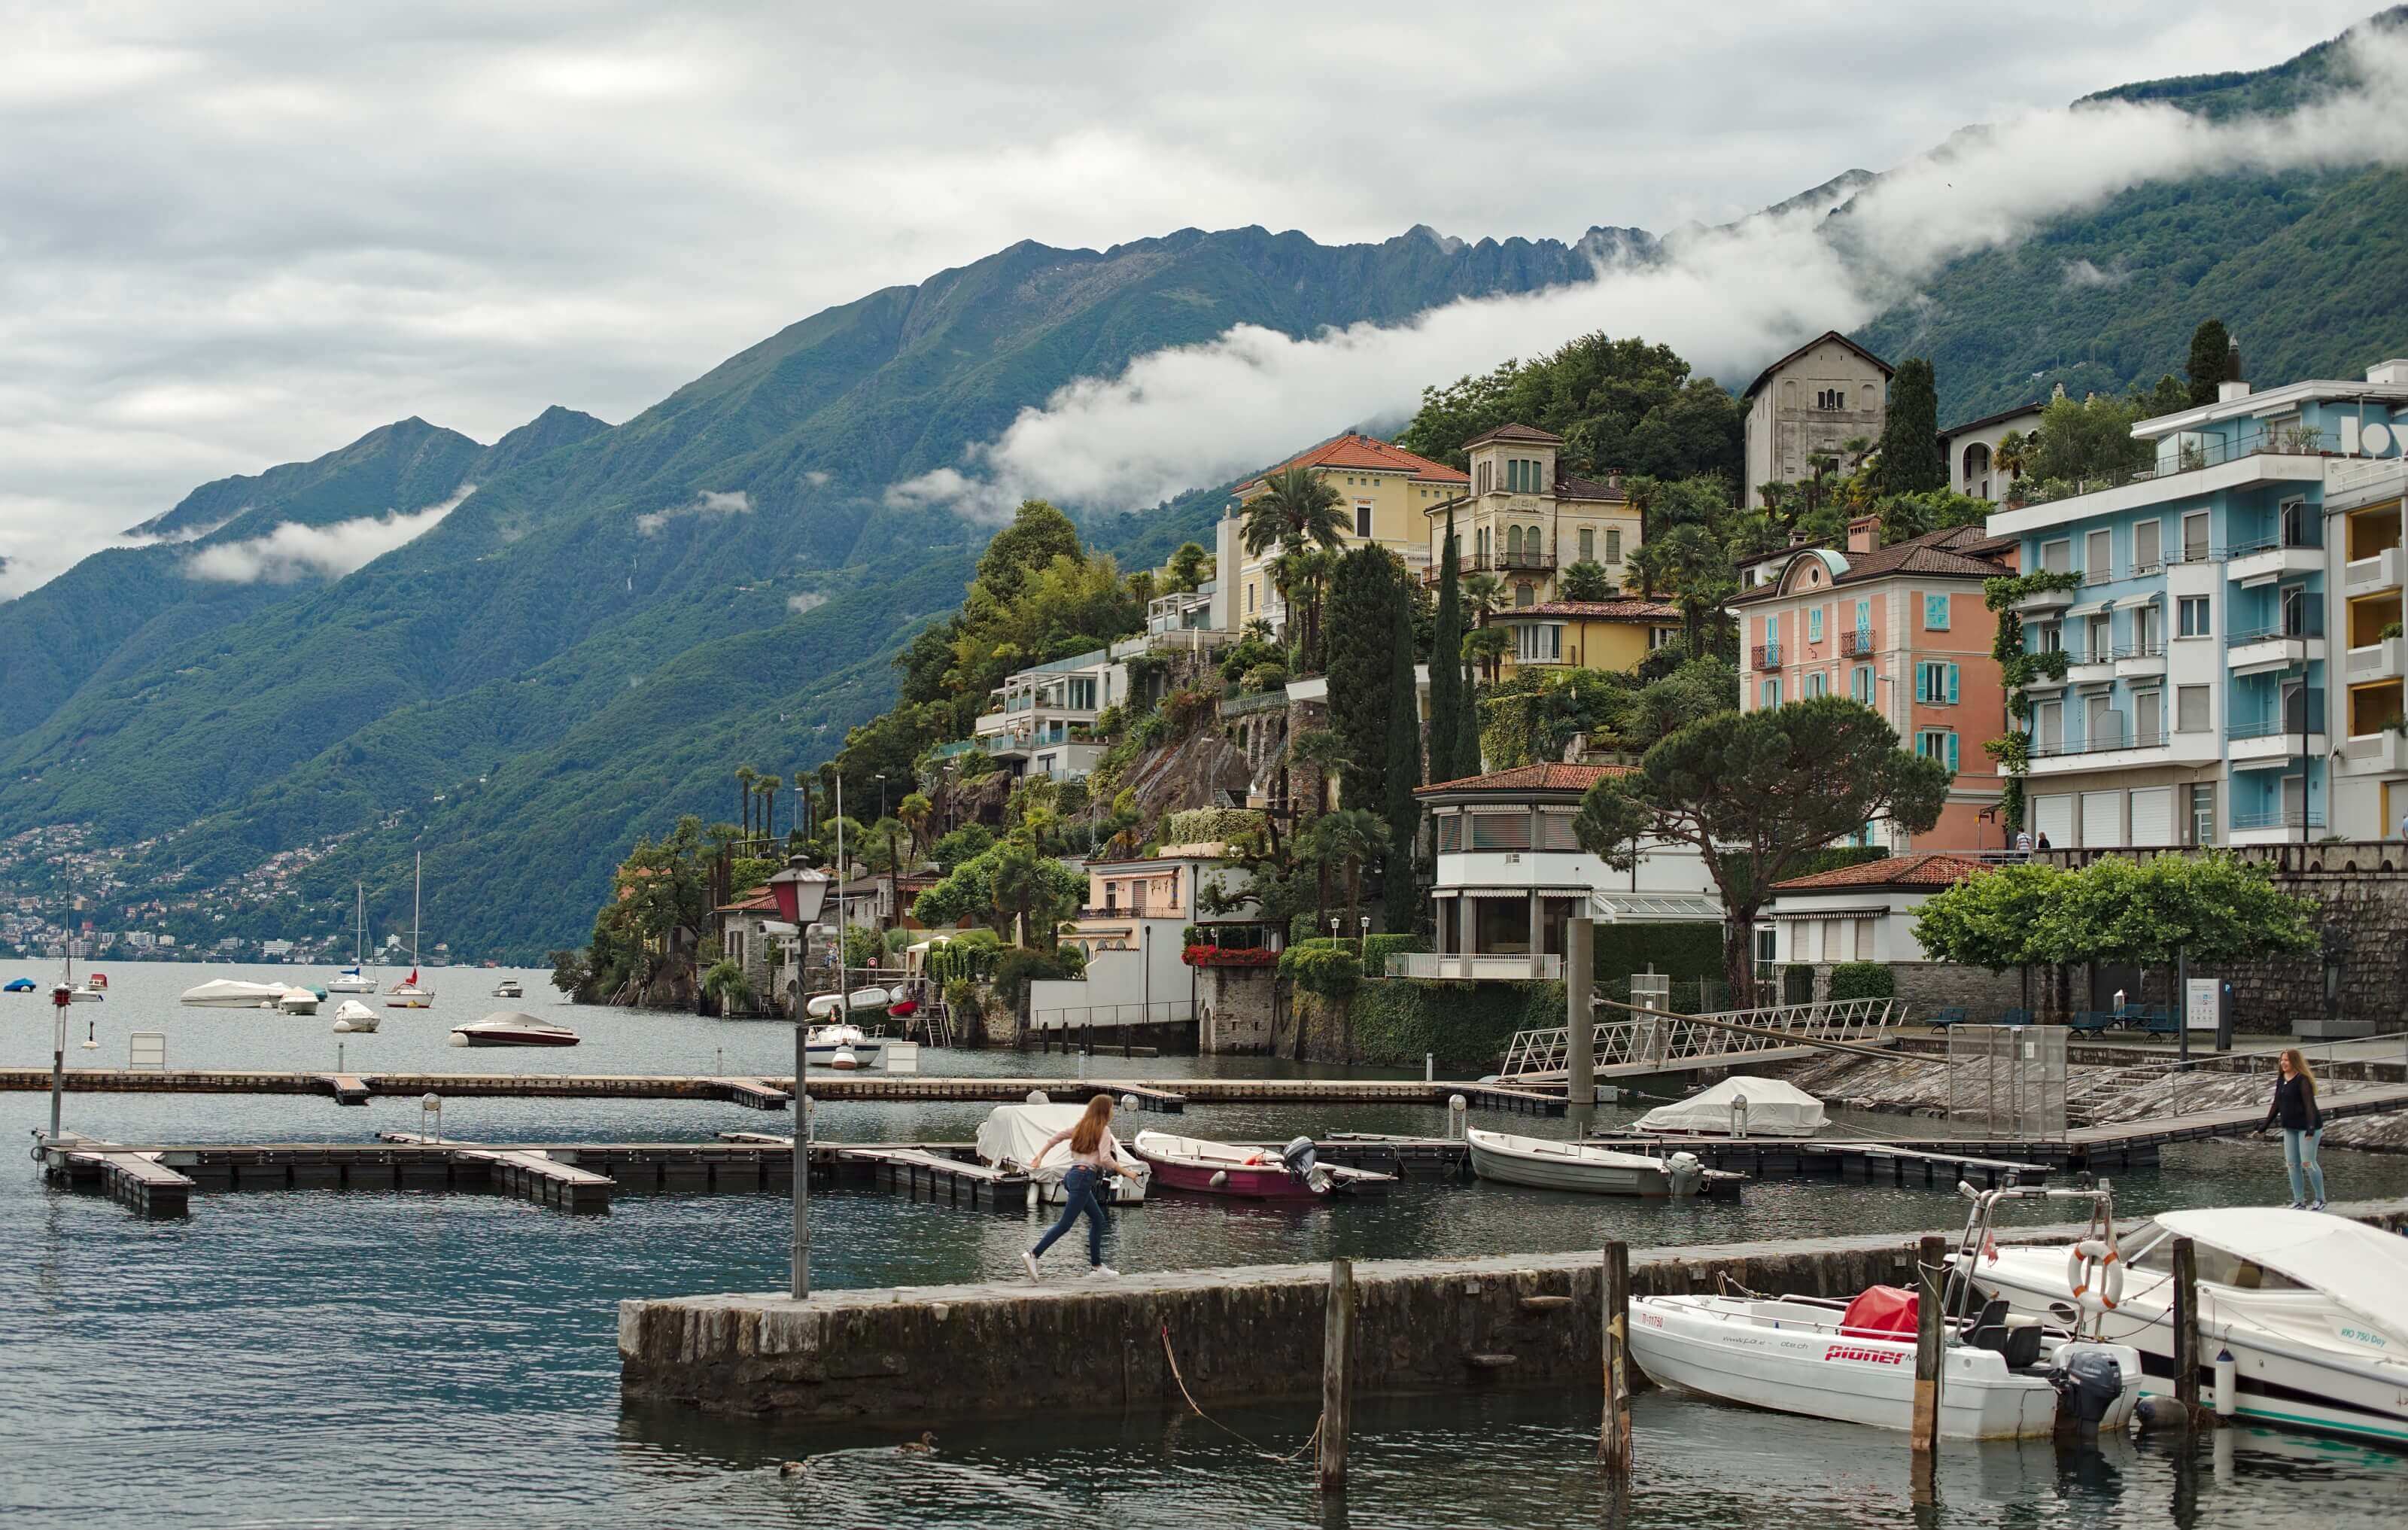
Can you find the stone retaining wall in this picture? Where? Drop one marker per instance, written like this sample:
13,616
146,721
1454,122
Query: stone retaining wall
1009,1349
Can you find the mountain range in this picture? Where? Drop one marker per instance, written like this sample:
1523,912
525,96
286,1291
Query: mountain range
597,622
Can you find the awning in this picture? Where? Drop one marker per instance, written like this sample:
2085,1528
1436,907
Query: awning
2089,608
1656,908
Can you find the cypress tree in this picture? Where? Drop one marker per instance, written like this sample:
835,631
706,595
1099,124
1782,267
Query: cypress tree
1364,595
1910,443
1404,769
1467,727
2209,344
1446,677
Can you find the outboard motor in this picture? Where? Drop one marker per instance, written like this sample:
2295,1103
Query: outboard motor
1685,1173
1299,1156
2088,1387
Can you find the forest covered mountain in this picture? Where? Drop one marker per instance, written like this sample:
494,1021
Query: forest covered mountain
615,616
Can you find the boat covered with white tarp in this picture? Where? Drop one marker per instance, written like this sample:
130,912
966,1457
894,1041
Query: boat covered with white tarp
1011,1134
1740,1107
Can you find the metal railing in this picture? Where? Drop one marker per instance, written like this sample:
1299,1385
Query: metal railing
1474,965
2285,441
2286,817
1858,644
2294,716
1089,1016
2306,621
1660,1040
1767,656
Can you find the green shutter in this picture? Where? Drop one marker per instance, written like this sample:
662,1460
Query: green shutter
1952,685
1952,753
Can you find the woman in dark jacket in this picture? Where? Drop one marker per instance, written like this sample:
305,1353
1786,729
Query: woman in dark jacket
2303,1128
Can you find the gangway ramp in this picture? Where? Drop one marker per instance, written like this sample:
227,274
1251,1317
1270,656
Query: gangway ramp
1636,1042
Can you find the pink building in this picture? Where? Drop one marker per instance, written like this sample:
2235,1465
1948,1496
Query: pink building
1902,629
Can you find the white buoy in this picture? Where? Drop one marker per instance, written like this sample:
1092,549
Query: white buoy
341,1027
2228,1384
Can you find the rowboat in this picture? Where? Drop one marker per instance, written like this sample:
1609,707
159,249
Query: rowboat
1545,1164
1259,1174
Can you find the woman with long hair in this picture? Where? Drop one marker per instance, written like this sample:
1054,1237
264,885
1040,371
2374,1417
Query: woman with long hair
2304,1128
1094,1153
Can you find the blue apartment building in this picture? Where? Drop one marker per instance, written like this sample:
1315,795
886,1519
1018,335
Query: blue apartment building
2233,664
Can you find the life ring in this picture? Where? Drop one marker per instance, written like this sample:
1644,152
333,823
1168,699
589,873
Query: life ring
2099,1264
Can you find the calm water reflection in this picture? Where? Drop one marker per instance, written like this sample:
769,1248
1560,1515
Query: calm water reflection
426,1359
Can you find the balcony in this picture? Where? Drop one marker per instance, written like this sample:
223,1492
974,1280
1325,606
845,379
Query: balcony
2274,826
2297,639
2042,601
1767,656
2293,550
2135,661
2096,664
2385,661
1479,967
2295,728
2382,753
2367,575
2288,441
1858,644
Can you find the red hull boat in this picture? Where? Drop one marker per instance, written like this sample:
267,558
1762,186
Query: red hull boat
1253,1174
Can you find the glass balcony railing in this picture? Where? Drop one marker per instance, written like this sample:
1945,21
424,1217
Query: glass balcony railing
2287,816
2305,622
2294,717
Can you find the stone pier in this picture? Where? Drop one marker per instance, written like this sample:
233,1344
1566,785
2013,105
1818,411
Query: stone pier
1010,1348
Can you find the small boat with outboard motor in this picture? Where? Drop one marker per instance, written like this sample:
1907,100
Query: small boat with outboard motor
513,1028
2001,1377
1548,1164
1011,1134
1292,1173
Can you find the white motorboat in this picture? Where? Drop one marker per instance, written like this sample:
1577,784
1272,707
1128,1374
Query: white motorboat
2312,1308
352,1016
509,989
296,1001
822,1044
354,979
1011,1134
860,998
1739,1108
1545,1164
1801,1355
233,993
2001,1377
513,1028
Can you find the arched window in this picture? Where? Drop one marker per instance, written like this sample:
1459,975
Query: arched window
1514,544
1532,544
1524,595
1977,461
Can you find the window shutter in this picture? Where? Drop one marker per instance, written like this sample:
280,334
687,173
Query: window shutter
1952,753
1952,685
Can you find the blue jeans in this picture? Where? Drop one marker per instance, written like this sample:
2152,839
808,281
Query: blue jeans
1081,1194
2300,1153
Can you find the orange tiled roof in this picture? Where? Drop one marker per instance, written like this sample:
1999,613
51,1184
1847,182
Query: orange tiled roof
1550,777
1356,451
1932,869
1629,609
760,897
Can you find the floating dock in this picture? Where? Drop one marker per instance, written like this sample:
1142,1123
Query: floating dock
1170,1096
912,1355
1863,1163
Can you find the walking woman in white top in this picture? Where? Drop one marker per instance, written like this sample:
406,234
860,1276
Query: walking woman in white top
1094,1153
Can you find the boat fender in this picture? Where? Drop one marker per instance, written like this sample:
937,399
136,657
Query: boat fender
1220,1177
2228,1384
2093,1260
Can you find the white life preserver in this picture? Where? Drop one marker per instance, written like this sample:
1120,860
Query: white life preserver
2094,1272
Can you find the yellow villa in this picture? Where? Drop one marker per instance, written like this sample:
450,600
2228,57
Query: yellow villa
1587,634
1384,491
1525,520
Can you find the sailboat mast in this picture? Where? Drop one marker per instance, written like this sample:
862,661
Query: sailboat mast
843,979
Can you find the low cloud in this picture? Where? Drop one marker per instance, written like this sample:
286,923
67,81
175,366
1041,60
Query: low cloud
816,478
809,601
293,551
2086,273
707,504
1728,299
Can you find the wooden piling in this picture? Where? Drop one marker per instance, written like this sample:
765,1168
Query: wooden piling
2187,1346
1337,1379
1613,1437
1929,1354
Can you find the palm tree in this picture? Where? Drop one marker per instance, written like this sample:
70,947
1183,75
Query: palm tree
1351,837
770,782
1018,882
803,802
915,810
1298,512
1486,647
1321,752
745,777
1483,593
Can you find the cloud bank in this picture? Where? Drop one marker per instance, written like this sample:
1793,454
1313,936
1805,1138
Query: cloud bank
1730,298
293,551
708,505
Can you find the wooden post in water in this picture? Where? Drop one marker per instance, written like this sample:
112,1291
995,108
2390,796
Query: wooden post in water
1614,1437
1931,1327
2185,1317
1579,1018
1337,1374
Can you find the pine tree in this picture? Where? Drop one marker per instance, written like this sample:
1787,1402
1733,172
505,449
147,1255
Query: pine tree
1364,596
2209,345
1910,444
1404,769
1446,677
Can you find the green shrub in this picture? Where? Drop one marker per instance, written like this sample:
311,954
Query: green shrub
1326,968
1467,1026
1863,981
967,1005
1378,948
1689,950
1017,967
1209,826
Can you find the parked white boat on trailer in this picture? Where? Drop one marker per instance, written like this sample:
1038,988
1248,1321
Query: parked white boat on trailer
2312,1308
1547,1164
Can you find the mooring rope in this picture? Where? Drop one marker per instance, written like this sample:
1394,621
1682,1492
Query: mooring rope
1309,1440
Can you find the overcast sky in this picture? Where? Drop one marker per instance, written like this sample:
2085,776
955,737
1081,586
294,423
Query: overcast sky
237,235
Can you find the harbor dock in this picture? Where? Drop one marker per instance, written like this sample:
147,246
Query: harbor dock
1148,1340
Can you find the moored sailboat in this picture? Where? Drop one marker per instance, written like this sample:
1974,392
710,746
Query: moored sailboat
409,993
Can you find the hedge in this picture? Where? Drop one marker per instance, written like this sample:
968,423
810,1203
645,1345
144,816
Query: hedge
1395,1021
1376,950
1209,826
1325,967
1691,949
1863,981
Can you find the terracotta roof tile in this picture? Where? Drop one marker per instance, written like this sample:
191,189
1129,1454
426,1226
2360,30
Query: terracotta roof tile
1572,486
1365,453
1939,554
760,897
1628,609
1929,869
1532,778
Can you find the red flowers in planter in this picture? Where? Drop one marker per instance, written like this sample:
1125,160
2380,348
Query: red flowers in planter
1230,956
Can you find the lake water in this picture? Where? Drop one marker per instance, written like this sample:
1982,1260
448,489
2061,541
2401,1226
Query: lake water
409,1359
